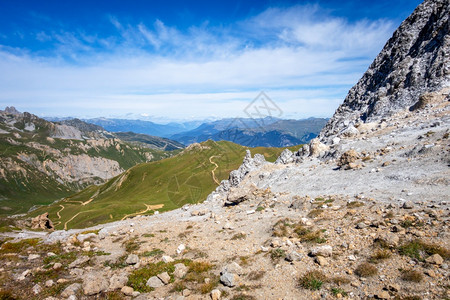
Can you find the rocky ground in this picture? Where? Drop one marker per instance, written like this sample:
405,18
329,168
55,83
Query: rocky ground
364,218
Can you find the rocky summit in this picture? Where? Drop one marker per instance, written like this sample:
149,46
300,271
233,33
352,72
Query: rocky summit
362,212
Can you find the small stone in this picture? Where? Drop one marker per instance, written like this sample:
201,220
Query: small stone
57,266
127,290
351,258
37,289
408,205
49,283
181,248
215,294
71,290
383,295
33,256
393,287
167,259
435,259
431,273
94,283
233,268
294,256
361,225
186,292
180,270
154,282
325,251
321,261
229,279
228,226
132,259
79,261
118,281
165,278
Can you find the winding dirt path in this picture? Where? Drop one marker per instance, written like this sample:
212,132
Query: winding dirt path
74,216
57,213
149,207
215,168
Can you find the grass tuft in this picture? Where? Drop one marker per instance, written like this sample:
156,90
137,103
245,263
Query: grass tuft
313,280
366,269
412,275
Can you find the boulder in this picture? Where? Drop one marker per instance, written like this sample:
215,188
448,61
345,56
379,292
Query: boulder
347,158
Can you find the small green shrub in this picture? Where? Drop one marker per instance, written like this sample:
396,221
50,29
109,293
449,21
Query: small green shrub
239,236
277,254
337,291
420,250
154,252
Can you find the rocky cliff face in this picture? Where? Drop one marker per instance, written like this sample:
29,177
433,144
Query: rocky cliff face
415,61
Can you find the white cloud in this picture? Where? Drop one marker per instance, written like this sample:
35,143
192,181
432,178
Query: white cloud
305,59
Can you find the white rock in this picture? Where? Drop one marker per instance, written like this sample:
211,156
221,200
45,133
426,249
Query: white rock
181,248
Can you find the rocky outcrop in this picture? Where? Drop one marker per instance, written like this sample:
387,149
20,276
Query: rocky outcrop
42,222
413,63
236,176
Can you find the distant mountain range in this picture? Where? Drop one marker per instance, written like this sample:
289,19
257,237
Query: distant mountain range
267,132
264,132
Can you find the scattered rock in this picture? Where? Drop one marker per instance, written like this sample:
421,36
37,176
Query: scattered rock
325,251
229,279
117,281
215,294
79,261
181,248
180,270
132,259
154,282
321,261
94,283
164,277
37,289
294,256
408,205
167,259
435,259
382,295
71,290
127,290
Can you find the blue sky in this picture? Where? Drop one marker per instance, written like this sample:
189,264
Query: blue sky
188,59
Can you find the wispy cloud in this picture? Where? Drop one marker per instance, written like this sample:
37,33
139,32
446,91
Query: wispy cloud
202,70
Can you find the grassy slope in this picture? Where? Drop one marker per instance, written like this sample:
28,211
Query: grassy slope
185,178
20,190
